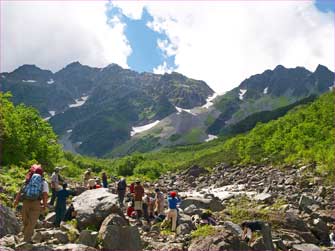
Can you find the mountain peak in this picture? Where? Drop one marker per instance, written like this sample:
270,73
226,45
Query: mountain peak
279,67
321,68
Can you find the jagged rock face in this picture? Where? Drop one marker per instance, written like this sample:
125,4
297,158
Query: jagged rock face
93,206
117,99
268,91
8,222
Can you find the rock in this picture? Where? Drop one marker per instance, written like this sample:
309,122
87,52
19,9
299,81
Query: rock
155,228
263,197
50,217
236,229
279,244
120,238
93,206
3,248
305,202
222,239
191,210
113,219
165,246
71,231
258,244
88,238
43,236
321,192
73,247
195,171
9,241
213,204
8,222
320,229
293,221
183,229
306,247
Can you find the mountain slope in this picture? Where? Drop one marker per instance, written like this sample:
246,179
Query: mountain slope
260,98
268,91
96,108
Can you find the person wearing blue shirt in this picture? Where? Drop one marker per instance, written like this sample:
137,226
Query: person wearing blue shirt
60,208
172,214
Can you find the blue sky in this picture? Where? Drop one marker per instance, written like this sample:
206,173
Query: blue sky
325,5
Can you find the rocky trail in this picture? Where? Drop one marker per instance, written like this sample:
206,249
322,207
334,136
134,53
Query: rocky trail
293,200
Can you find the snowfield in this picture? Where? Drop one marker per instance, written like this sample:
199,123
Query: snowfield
140,129
79,102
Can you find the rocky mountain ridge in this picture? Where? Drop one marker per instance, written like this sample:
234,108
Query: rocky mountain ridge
97,107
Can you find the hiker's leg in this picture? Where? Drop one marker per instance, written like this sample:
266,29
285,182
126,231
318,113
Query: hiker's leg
25,218
53,196
34,213
267,237
58,216
174,219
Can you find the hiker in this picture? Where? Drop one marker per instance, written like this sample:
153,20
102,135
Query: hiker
55,180
104,180
32,192
121,190
91,184
130,209
97,183
207,218
87,177
249,227
131,188
159,202
172,214
147,207
60,208
138,197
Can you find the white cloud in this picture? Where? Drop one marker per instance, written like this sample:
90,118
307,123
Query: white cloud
221,42
227,41
52,34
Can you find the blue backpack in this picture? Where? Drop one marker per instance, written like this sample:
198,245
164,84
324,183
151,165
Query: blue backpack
33,190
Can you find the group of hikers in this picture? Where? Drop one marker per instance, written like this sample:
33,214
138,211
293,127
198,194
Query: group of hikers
140,203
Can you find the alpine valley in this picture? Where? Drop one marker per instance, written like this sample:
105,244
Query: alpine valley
113,111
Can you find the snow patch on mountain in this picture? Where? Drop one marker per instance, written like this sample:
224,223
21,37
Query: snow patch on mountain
211,137
29,81
209,101
79,102
69,131
140,129
180,110
50,81
241,94
52,113
265,91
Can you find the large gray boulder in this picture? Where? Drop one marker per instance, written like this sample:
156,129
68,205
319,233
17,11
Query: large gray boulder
214,204
93,206
222,239
306,247
115,237
88,238
3,248
8,222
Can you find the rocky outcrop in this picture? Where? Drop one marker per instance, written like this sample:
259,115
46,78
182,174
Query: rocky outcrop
8,222
93,206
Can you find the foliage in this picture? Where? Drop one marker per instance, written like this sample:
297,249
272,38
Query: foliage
25,136
203,231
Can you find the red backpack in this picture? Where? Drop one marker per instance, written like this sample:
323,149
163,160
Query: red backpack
33,169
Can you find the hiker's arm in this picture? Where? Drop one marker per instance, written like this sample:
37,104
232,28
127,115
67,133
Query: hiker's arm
17,199
244,233
45,199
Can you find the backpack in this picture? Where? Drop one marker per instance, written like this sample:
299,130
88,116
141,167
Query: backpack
121,185
33,190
